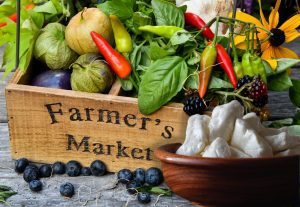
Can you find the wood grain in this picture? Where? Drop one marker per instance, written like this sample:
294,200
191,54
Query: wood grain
125,139
92,191
231,182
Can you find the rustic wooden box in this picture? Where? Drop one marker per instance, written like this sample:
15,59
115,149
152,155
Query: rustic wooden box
48,125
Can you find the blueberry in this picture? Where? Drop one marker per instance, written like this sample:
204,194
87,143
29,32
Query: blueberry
59,168
132,186
125,175
33,166
98,168
86,171
73,168
67,190
144,197
21,164
154,176
35,185
30,173
139,175
45,171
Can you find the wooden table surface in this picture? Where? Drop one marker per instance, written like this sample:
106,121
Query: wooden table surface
97,191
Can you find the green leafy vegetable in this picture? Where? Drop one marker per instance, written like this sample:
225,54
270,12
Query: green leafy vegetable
279,82
121,8
161,82
5,193
217,83
283,65
181,37
294,130
294,92
156,190
167,14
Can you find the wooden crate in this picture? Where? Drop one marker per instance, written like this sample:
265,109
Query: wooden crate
48,125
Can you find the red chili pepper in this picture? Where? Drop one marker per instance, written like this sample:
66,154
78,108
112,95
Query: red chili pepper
13,17
225,61
196,21
117,62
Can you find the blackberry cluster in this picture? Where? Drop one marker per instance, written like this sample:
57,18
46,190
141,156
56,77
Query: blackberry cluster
243,81
258,90
259,93
194,105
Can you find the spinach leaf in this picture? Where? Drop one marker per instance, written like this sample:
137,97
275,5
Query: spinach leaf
161,82
294,92
279,82
157,52
167,14
121,8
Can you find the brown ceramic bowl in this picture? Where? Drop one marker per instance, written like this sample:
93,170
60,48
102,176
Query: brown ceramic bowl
231,182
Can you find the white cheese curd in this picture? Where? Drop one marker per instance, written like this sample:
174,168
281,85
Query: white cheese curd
197,134
223,119
248,141
218,148
289,152
236,153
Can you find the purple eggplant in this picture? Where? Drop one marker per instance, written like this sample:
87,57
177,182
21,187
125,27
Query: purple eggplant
53,79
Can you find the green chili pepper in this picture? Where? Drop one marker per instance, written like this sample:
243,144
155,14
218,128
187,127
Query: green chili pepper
163,31
122,37
238,69
246,63
258,67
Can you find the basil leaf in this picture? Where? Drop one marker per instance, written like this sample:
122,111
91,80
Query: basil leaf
281,123
294,130
161,82
181,37
167,14
218,83
297,118
279,82
294,92
156,52
126,84
121,8
47,7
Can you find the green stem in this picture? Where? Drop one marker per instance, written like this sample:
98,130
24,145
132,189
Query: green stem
247,39
235,55
216,31
207,25
133,83
233,94
252,43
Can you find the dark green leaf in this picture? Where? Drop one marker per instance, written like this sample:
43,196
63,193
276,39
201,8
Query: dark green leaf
281,123
126,84
156,52
297,118
193,79
121,8
222,40
156,190
167,14
161,82
279,82
217,83
294,92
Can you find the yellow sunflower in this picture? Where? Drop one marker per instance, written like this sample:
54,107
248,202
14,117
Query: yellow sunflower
273,47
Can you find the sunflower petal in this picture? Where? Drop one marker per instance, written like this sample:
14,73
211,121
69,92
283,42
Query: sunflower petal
265,46
272,62
273,19
283,52
268,53
291,35
291,23
262,16
248,18
274,16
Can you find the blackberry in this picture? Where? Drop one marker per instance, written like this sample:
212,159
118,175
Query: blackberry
67,190
73,168
21,164
45,171
154,176
86,171
243,81
59,168
259,93
98,168
35,185
194,105
125,175
144,197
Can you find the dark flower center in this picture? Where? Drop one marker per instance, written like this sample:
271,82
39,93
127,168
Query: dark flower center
278,37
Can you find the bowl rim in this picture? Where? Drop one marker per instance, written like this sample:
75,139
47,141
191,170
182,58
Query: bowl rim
166,153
